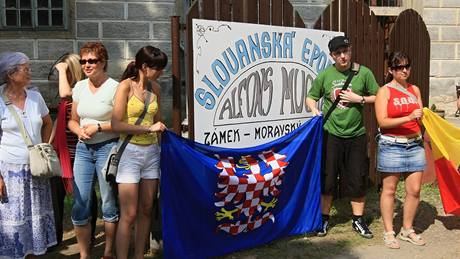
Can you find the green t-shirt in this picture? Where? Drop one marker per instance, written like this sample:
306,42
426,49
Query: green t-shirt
346,120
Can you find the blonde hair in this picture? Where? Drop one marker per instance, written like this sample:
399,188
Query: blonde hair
74,72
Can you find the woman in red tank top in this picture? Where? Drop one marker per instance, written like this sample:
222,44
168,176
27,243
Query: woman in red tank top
398,108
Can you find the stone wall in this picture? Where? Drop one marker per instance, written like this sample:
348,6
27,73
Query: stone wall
126,25
122,25
442,18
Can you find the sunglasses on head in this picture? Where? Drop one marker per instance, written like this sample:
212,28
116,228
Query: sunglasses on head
156,51
400,67
52,74
89,61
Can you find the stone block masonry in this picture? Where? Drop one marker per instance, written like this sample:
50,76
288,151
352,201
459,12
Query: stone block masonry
123,26
149,11
126,25
87,30
442,18
25,46
53,49
120,24
126,30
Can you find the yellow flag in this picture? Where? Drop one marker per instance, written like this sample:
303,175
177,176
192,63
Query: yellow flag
445,143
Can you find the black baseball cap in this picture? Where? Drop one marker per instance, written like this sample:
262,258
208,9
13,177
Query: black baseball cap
338,42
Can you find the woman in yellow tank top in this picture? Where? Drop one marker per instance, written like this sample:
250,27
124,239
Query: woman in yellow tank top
139,169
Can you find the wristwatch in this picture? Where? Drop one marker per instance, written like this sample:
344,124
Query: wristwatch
99,128
363,101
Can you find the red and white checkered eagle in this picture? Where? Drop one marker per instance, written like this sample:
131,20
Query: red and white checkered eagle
246,192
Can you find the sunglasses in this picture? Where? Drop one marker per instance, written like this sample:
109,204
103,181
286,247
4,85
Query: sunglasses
401,67
89,61
53,74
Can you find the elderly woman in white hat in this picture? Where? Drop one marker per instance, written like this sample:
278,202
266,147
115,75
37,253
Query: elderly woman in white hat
26,212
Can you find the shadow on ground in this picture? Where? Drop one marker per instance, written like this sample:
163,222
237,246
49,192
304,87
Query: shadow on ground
339,243
69,248
450,222
426,214
341,211
297,247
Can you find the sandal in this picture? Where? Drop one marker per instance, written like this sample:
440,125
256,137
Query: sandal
389,240
410,236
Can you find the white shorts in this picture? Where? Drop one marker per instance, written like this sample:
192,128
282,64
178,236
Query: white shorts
138,162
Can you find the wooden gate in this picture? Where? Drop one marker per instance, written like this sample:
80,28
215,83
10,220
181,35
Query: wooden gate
409,34
353,17
269,12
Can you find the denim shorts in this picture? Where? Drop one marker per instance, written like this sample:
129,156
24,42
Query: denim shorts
89,160
139,162
400,157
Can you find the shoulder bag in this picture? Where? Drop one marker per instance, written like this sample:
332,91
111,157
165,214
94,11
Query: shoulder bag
43,160
110,169
354,70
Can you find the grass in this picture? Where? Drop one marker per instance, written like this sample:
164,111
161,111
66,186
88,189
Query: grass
341,238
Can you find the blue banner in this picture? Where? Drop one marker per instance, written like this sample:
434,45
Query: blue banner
218,200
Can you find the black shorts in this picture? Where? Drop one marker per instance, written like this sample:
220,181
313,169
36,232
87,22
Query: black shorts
347,159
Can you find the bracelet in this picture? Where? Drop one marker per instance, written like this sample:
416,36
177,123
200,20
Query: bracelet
99,128
363,101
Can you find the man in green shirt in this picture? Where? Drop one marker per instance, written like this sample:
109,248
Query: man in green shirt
344,140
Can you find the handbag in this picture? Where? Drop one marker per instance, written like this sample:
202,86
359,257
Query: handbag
110,169
43,160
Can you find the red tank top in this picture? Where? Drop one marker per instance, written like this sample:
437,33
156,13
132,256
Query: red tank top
400,105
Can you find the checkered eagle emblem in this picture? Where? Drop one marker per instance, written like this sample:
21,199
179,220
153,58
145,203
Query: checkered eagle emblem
247,191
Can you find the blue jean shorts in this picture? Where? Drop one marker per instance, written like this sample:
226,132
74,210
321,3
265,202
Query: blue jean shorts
89,160
400,157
